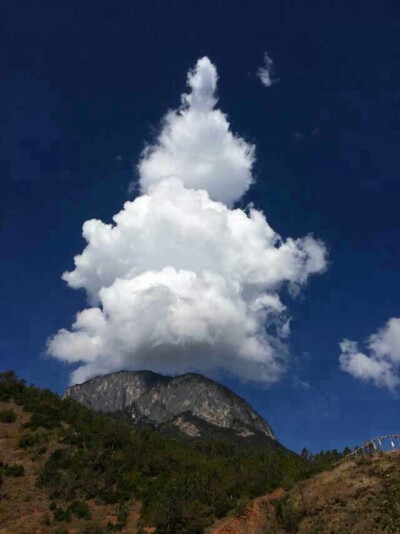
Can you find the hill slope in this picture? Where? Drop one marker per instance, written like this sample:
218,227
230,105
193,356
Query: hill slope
189,403
358,497
63,466
61,463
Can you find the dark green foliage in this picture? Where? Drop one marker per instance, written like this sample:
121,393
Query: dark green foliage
62,515
305,453
15,470
58,514
61,530
122,515
241,505
10,386
114,527
42,449
27,440
35,442
288,515
389,504
80,509
47,417
45,520
92,528
183,485
122,519
7,416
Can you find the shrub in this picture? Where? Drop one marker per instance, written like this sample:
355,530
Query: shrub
241,505
389,507
7,416
122,520
113,527
15,470
58,514
80,509
48,419
61,530
27,440
92,528
45,520
109,496
288,515
10,386
363,460
122,515
62,515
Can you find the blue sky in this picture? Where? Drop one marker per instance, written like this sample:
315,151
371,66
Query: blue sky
84,87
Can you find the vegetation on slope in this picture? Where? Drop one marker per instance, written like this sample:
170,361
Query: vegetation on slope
358,496
84,459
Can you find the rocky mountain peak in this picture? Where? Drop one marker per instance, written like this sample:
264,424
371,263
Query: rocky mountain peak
190,403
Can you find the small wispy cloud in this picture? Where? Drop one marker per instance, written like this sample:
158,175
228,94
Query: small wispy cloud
382,365
298,383
303,135
266,72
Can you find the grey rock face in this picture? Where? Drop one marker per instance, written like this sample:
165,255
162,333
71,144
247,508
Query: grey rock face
159,400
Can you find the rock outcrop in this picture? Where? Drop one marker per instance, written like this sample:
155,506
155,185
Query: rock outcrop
190,403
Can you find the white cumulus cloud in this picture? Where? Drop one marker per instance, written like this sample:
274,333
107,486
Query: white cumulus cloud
382,365
266,72
180,280
196,145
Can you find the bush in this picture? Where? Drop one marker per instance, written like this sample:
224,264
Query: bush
363,460
388,516
92,528
241,505
7,416
113,527
10,386
122,521
62,515
15,470
27,440
80,509
61,530
45,520
288,515
46,419
122,516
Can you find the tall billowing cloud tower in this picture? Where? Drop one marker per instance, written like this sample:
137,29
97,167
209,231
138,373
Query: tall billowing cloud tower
181,280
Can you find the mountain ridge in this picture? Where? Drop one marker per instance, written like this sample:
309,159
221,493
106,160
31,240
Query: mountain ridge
146,397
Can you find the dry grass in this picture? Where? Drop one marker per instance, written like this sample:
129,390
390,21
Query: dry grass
354,498
254,519
23,506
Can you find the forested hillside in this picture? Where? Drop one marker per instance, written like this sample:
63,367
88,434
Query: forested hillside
66,469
